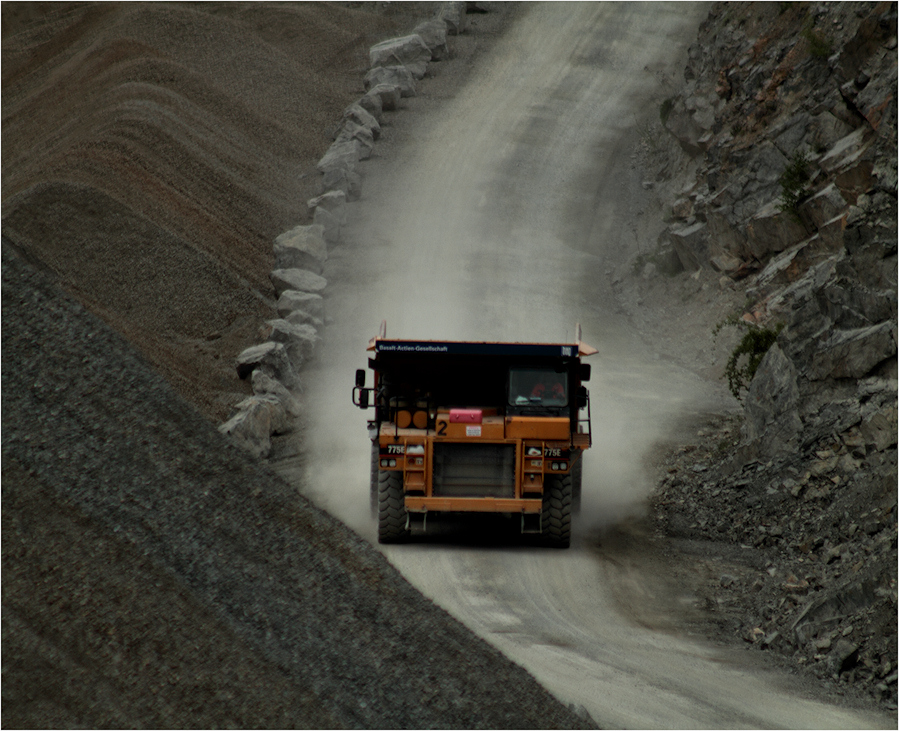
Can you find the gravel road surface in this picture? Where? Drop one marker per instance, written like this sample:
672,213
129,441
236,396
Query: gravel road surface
494,215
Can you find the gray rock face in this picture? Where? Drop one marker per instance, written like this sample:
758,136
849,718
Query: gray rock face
690,244
357,114
772,230
813,476
823,206
301,279
329,223
854,353
333,201
345,180
453,14
772,418
301,317
271,359
329,213
299,339
371,103
409,51
265,385
303,247
361,135
292,300
257,418
344,154
398,76
433,33
388,95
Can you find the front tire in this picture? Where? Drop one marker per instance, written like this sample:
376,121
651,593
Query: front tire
373,485
392,516
555,519
577,477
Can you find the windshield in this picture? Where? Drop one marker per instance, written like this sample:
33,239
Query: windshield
537,387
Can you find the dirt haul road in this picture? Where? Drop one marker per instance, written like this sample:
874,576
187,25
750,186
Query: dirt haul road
493,215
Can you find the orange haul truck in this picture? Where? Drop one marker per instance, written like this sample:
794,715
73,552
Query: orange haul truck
476,427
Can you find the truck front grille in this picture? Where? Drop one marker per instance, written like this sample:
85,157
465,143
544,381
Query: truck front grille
474,470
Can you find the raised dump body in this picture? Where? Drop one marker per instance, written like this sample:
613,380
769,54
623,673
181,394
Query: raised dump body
476,427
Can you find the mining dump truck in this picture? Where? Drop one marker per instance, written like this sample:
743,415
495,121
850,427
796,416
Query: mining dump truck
476,427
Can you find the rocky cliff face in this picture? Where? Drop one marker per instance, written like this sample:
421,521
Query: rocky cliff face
786,124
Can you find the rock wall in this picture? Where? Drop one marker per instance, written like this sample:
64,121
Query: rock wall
788,116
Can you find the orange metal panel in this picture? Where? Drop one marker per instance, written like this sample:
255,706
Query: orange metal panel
414,481
537,427
471,505
490,428
532,482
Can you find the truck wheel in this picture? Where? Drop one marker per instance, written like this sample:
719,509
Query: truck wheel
391,508
577,476
555,520
373,490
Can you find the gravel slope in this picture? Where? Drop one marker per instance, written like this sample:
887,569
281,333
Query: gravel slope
153,151
154,576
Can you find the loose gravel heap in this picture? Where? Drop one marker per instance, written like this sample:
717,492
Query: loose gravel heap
816,581
155,576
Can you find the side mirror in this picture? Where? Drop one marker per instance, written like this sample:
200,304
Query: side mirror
363,399
582,397
584,372
360,378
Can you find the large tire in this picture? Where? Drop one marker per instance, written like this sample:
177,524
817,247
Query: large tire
392,517
577,477
373,489
555,520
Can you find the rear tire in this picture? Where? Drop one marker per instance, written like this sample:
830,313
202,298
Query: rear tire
555,519
392,516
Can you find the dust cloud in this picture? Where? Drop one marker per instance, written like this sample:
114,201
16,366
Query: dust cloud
458,237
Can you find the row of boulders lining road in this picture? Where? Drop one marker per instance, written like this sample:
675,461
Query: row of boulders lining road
787,132
153,574
273,367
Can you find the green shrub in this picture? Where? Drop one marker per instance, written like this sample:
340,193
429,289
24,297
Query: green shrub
793,182
747,355
665,109
818,45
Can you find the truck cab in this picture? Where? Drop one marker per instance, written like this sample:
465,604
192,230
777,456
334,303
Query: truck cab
476,427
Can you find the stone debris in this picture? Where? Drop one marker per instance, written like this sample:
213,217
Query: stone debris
398,77
271,358
409,51
292,301
302,247
255,420
297,279
299,339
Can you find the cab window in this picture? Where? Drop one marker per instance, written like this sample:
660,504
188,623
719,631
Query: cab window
537,387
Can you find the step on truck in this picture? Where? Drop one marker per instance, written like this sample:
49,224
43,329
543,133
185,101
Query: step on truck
476,427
